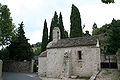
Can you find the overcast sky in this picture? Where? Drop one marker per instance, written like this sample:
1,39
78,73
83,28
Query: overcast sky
34,12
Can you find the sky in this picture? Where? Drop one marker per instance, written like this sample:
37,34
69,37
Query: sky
34,12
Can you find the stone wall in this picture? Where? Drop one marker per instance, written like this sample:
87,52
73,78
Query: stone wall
0,69
16,66
42,66
88,65
90,62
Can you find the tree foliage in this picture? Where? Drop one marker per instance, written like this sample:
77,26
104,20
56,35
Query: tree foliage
86,34
94,26
4,54
75,20
57,22
44,37
108,1
6,25
113,39
38,44
54,23
19,48
61,27
102,30
66,34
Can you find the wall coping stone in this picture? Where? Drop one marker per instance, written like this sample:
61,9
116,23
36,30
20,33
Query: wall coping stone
93,77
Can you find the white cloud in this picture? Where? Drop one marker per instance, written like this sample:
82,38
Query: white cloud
35,36
34,12
99,13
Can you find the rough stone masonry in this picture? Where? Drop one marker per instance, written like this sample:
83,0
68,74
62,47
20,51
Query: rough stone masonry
70,57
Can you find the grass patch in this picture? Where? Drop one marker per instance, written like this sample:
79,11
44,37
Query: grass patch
84,77
107,72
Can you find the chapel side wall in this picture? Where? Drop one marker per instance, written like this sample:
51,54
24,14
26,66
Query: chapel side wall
42,66
87,65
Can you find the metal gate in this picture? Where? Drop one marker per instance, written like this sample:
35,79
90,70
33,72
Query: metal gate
108,61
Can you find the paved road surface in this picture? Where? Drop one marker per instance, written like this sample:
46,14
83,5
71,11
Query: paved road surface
19,76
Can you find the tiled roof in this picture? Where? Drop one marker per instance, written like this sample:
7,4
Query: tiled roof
43,54
71,42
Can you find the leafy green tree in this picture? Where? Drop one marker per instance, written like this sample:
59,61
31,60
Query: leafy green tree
38,44
75,20
6,25
54,23
19,48
37,51
61,27
108,1
113,39
44,37
102,30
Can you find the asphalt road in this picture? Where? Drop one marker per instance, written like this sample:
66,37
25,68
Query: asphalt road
19,76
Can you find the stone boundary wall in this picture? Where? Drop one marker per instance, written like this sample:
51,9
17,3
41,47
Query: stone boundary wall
1,69
17,66
93,77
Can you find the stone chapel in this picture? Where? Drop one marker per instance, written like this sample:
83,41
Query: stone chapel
70,57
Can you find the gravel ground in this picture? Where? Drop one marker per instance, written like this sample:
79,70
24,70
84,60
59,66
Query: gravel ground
108,74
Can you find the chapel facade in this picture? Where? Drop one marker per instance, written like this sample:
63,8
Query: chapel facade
70,57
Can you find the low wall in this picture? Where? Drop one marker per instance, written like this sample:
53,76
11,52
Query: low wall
17,66
93,77
0,69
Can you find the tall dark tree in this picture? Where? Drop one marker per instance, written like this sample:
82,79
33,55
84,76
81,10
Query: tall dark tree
6,25
113,39
66,34
61,27
19,48
44,37
87,34
94,26
75,20
54,23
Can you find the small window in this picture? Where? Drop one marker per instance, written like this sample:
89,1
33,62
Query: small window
79,55
57,34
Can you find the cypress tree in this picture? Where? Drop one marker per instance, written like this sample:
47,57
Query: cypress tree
61,27
19,48
66,34
44,37
54,23
75,20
